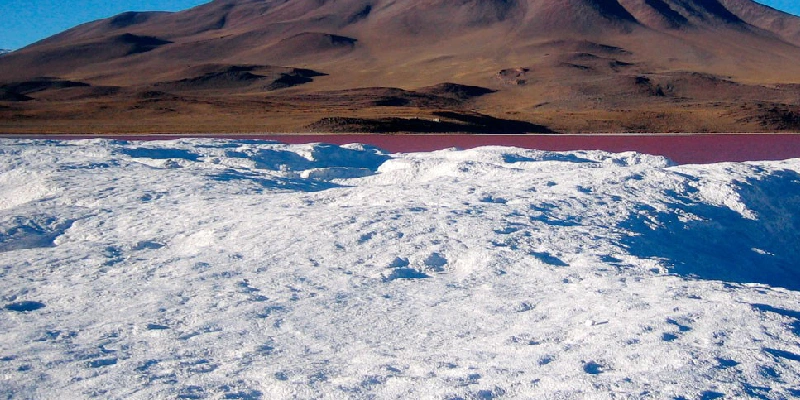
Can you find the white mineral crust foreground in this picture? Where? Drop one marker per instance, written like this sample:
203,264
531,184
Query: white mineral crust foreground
213,269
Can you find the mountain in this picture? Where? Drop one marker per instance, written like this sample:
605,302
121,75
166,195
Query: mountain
4,51
368,65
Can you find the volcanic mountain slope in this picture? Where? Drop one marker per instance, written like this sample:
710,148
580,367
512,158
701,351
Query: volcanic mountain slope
293,65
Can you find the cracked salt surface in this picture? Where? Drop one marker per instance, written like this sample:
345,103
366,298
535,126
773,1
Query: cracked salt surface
254,270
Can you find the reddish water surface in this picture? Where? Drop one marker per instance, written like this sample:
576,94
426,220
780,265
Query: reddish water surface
683,149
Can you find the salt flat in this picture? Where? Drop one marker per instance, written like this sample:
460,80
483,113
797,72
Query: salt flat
204,268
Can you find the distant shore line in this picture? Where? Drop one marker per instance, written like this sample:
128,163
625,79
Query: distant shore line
682,148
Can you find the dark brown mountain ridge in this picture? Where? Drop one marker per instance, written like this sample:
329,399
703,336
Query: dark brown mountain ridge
285,65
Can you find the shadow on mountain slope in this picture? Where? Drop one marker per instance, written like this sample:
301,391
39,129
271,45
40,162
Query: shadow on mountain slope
439,122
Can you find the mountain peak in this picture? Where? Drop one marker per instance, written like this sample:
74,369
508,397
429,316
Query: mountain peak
593,59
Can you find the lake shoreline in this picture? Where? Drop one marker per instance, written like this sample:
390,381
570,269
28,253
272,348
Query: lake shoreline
682,148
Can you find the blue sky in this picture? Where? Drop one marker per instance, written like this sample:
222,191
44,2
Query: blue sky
26,21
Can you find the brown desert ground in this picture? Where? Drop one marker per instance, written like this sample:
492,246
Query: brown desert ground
382,66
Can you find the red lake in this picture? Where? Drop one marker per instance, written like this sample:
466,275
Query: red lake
680,148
